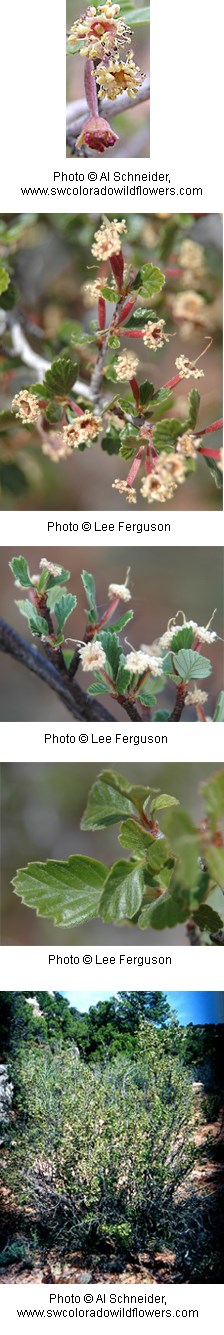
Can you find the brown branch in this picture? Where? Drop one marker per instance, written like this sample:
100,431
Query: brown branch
82,707
179,704
77,112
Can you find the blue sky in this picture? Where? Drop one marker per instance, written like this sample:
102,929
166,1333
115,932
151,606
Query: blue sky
191,1007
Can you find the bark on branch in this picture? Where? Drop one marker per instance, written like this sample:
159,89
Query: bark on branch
77,112
82,707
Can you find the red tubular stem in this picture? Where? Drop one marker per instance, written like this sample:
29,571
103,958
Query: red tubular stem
135,466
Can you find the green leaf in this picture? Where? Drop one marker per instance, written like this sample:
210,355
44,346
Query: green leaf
146,698
110,373
54,580
37,624
111,441
123,680
219,710
4,279
213,794
165,433
165,912
105,806
139,319
190,665
123,621
72,332
151,280
112,649
110,294
215,863
20,570
207,920
114,341
66,892
60,378
144,845
90,592
64,607
163,800
9,297
146,393
122,895
53,412
185,844
193,408
182,639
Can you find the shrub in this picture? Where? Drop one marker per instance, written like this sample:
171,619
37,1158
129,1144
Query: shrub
102,1151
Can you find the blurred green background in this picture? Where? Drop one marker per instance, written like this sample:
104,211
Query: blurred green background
51,261
133,126
160,583
42,806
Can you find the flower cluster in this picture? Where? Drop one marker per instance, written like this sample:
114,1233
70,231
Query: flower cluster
100,30
107,240
26,406
126,366
119,76
85,427
154,335
101,33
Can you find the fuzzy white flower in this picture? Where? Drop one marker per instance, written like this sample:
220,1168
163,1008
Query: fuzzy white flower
49,565
126,366
139,662
196,697
203,633
124,489
92,656
189,306
26,406
187,368
107,240
120,590
154,334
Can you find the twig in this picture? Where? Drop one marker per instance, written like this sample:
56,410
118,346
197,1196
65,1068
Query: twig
77,112
179,704
35,361
81,707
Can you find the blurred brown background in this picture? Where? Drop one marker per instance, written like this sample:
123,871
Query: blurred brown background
160,582
42,806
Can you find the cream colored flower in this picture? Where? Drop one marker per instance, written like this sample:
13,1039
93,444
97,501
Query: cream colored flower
154,334
189,306
123,488
119,76
188,445
101,30
191,256
83,428
26,406
91,292
196,697
92,656
153,489
120,590
126,366
55,447
203,633
138,661
187,368
107,240
48,565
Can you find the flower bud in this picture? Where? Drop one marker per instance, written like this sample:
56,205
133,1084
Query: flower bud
97,134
